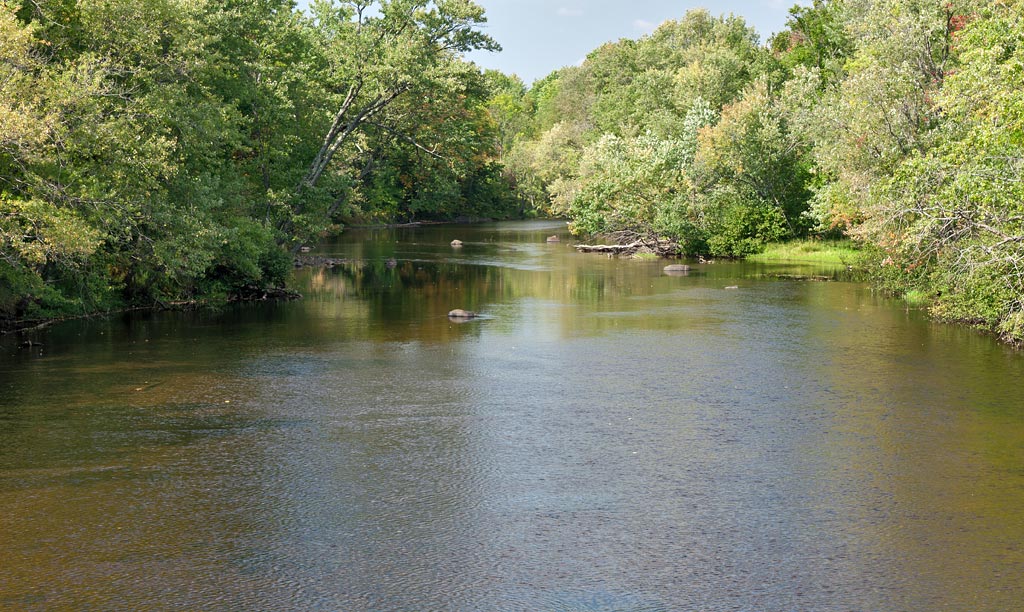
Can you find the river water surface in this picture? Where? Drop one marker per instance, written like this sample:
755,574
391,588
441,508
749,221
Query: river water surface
605,437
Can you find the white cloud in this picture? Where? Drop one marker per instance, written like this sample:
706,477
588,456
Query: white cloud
569,12
644,26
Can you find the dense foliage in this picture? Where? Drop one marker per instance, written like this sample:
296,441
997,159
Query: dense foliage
160,150
679,134
896,122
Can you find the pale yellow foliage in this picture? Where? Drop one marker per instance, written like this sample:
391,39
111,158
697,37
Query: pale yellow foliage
20,127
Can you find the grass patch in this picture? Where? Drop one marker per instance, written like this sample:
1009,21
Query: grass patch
842,252
916,298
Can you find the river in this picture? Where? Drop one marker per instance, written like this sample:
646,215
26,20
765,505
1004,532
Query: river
604,437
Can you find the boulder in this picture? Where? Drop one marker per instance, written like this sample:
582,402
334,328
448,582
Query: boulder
462,315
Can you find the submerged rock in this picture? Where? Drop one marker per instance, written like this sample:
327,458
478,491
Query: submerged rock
677,268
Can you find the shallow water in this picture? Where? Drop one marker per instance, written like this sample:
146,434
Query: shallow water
605,437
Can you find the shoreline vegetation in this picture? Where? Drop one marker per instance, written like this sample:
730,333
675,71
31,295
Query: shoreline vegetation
837,252
173,152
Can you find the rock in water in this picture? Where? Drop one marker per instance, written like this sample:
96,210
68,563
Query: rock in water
677,268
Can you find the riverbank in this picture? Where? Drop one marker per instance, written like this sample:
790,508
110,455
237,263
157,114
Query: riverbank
245,294
841,252
26,326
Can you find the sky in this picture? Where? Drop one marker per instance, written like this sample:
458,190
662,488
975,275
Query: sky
539,36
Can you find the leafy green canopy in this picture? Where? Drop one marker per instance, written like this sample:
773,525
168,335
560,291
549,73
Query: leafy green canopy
895,122
950,218
677,135
157,150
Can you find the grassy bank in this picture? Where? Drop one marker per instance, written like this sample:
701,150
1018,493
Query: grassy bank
839,252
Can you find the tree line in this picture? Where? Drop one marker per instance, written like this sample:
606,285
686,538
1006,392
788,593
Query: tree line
162,150
898,123
154,151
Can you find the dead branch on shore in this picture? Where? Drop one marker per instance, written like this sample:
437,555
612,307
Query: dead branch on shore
632,243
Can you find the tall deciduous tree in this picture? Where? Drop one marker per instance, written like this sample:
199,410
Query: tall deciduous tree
753,171
378,52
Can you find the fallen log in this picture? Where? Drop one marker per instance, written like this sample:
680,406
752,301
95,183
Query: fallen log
618,249
661,248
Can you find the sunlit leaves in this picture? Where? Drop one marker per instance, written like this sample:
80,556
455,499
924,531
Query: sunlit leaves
954,221
163,148
35,233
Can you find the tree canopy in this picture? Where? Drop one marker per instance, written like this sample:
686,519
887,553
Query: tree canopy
162,150
893,122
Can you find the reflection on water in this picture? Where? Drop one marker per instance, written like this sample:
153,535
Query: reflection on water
606,437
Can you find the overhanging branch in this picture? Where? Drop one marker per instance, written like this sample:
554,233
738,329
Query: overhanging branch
409,139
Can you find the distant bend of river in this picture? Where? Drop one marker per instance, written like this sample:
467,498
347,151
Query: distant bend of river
604,437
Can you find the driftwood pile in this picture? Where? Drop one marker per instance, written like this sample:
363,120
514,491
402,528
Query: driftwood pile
630,244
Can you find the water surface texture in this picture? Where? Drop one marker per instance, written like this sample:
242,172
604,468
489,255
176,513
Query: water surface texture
605,437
